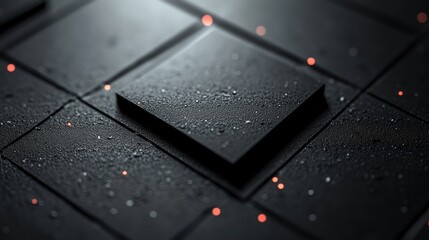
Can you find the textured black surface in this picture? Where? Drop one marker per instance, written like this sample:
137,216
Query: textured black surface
404,12
52,10
364,177
410,78
337,96
49,218
24,102
342,41
238,221
11,11
93,44
224,94
85,162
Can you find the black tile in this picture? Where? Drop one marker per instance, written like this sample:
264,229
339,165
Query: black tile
83,156
342,41
410,13
228,101
337,96
24,102
364,177
11,11
99,40
239,221
406,85
51,11
28,211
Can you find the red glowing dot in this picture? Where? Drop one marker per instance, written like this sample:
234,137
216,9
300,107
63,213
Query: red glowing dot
261,30
400,93
311,61
262,218
275,179
216,211
125,173
107,87
280,186
207,20
34,201
422,17
11,67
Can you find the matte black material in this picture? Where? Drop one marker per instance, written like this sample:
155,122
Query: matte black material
341,40
364,177
47,217
24,102
404,12
51,11
12,11
238,221
337,95
406,85
85,161
228,103
93,44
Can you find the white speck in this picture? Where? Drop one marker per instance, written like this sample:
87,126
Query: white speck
247,121
98,137
234,92
327,179
113,211
163,90
310,192
342,99
85,174
153,214
353,51
54,214
129,203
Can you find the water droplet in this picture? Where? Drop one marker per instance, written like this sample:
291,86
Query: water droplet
153,214
129,203
312,217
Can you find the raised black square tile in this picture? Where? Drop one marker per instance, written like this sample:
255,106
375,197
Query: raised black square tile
11,11
224,94
29,211
114,175
406,85
364,177
344,42
99,40
24,102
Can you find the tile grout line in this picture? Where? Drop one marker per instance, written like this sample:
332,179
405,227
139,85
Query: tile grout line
63,198
56,17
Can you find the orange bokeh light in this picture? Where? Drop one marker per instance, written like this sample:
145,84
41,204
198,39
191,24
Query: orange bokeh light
11,68
280,186
69,124
262,218
216,211
422,17
124,173
207,20
107,87
261,30
311,61
275,179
